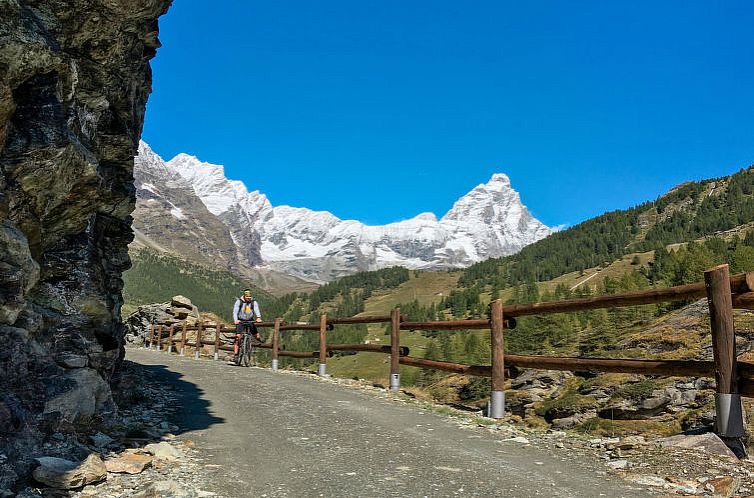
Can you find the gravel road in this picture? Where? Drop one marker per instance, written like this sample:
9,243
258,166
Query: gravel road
262,433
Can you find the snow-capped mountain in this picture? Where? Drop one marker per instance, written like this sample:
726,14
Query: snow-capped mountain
170,217
489,221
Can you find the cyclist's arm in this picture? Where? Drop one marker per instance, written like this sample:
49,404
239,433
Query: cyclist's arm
236,308
257,313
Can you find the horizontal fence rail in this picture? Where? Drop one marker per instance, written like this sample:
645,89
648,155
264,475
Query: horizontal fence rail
722,291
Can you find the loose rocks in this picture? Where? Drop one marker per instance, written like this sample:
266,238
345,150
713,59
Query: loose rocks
64,474
164,451
128,463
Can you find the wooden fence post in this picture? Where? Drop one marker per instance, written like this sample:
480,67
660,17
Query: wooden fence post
395,346
183,339
496,407
198,341
218,328
171,331
275,343
728,411
322,345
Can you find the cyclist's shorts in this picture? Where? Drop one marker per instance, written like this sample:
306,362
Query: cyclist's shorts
246,327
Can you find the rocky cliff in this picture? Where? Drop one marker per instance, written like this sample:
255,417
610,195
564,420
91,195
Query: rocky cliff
74,80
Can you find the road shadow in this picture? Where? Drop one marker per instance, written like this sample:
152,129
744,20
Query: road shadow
186,406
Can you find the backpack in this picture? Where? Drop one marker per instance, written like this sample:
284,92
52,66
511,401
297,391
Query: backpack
246,310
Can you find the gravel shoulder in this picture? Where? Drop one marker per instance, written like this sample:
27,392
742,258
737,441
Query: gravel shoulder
261,433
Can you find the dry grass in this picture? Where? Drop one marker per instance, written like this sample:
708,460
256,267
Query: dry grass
425,287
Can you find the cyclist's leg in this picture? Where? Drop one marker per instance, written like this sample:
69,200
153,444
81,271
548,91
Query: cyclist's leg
237,342
255,332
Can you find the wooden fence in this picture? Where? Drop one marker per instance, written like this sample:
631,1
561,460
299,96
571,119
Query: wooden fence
724,293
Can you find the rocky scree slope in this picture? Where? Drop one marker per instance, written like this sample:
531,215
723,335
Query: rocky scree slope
74,80
489,221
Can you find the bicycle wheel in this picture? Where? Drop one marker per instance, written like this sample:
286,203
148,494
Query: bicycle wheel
246,351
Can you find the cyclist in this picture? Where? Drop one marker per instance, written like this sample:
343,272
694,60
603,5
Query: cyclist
245,313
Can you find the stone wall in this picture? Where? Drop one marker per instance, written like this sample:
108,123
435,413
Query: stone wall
74,80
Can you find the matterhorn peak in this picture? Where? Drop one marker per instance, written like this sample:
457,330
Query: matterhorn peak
426,216
499,179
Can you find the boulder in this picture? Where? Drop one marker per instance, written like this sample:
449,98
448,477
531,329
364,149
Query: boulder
708,442
138,323
87,393
181,302
65,474
101,440
573,420
128,463
636,409
723,486
656,403
161,489
164,451
630,442
540,379
180,313
71,360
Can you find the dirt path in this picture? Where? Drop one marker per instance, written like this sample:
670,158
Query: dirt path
274,434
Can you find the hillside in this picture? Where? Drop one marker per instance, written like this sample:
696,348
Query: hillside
688,212
155,277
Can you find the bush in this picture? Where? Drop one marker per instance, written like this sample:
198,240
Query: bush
636,390
477,388
565,406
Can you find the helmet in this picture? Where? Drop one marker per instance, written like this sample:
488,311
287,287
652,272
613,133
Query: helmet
247,293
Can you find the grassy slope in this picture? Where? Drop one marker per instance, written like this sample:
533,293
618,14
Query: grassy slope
430,287
155,278
427,288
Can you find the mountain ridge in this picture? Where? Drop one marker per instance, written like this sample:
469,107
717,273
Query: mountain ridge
318,246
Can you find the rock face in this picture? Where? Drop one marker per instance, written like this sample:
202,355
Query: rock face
74,80
489,221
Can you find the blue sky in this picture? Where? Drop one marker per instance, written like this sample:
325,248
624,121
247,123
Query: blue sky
378,111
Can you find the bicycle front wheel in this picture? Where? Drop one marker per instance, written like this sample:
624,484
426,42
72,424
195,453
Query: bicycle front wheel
246,351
